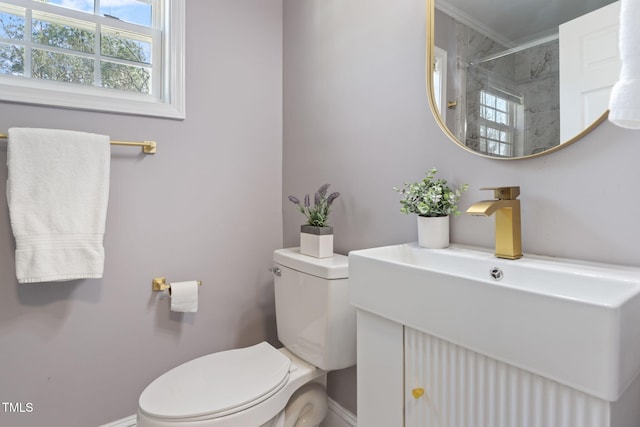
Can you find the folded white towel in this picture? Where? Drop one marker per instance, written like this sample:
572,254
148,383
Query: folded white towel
58,191
624,103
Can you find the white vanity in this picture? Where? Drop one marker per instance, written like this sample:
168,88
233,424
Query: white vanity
458,338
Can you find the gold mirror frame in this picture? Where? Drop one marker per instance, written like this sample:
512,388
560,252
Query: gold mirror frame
430,58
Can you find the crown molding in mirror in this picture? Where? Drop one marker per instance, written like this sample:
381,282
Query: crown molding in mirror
429,64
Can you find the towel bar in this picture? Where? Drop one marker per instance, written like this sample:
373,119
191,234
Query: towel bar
148,147
160,284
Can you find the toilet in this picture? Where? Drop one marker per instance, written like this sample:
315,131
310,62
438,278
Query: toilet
261,386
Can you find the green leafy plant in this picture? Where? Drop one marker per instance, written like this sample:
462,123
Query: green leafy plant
318,213
430,197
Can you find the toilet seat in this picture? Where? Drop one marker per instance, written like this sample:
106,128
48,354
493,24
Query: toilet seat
217,384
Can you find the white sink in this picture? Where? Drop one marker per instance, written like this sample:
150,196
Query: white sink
574,322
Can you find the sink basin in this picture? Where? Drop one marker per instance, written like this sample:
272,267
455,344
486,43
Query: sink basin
575,322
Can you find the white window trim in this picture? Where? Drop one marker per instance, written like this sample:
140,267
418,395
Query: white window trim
510,128
65,95
440,80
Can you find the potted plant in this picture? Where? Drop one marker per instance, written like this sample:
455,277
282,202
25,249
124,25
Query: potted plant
434,202
316,237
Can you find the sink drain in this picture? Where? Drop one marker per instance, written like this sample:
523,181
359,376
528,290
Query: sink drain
496,273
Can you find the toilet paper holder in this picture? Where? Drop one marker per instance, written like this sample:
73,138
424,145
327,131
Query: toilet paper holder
160,284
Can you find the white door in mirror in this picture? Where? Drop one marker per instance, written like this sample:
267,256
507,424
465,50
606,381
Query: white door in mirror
589,68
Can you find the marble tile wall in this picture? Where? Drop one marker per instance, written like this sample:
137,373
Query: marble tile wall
538,76
472,46
532,74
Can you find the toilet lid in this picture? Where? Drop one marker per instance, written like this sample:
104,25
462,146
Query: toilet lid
217,384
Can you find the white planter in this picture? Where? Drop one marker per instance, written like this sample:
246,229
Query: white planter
316,241
433,232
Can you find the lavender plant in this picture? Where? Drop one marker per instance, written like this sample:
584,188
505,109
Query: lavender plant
430,197
318,213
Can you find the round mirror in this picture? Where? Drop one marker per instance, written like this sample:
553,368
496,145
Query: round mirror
519,78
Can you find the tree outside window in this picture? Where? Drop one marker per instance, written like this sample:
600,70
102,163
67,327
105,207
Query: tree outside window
47,46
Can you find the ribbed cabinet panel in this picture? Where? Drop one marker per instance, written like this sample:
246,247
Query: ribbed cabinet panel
466,389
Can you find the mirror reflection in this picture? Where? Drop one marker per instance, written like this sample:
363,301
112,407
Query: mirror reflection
515,78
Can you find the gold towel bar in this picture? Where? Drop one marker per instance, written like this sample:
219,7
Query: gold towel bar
160,284
148,147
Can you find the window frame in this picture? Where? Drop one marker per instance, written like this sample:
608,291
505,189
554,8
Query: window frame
169,103
508,128
440,80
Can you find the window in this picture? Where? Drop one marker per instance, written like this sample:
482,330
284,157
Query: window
440,80
497,123
111,55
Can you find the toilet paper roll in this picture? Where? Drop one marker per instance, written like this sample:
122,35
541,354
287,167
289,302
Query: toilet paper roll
184,296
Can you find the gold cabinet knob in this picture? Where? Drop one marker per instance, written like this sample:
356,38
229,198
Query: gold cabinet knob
417,392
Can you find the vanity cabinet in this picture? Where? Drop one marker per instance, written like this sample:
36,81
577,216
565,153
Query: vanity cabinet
445,341
410,378
380,371
447,385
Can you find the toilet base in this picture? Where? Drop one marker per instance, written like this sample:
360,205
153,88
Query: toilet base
307,407
264,414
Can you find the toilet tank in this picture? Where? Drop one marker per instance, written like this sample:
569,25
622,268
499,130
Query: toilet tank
313,315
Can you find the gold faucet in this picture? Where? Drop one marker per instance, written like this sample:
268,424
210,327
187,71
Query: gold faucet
507,210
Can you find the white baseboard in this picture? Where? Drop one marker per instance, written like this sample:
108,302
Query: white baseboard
129,421
337,416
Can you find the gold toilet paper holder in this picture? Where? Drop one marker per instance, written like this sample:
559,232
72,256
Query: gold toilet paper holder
160,284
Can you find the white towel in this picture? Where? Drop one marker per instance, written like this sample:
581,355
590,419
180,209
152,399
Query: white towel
624,103
58,191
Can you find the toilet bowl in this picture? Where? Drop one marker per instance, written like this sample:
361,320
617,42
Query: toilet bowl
237,388
261,386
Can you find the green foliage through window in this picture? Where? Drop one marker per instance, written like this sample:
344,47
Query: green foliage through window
77,47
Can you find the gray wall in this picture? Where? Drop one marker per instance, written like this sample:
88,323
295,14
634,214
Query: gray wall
356,115
207,206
